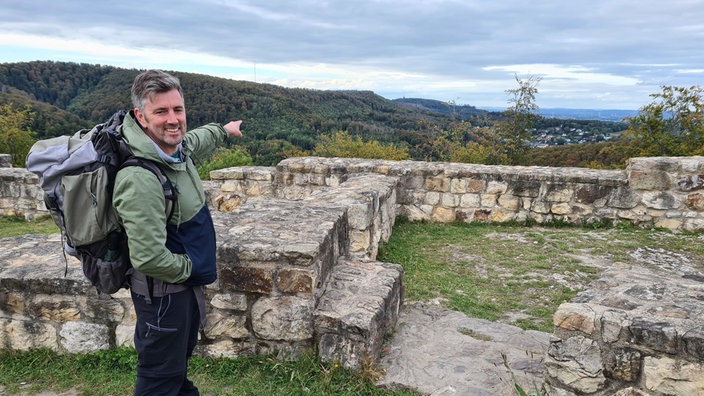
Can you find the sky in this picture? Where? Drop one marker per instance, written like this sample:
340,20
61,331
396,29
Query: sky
586,54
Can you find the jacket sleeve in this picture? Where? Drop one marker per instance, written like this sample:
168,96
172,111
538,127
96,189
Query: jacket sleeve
139,202
203,140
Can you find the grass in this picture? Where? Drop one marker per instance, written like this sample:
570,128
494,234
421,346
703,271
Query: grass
513,273
112,373
509,273
16,226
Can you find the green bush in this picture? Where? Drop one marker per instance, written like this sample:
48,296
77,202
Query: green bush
224,158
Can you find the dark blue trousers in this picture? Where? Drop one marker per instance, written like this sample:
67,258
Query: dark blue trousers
165,336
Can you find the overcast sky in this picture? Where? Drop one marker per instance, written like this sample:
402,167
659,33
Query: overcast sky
596,54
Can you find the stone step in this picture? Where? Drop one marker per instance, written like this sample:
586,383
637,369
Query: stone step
359,307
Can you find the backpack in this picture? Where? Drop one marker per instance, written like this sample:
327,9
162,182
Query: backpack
77,176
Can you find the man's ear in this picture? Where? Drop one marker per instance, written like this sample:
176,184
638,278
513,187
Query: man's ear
139,117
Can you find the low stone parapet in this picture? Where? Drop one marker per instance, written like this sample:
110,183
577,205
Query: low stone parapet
5,161
370,203
637,329
274,259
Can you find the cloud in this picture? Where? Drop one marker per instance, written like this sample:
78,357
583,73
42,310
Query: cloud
610,54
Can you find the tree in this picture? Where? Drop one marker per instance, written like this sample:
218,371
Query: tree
15,136
671,125
341,144
513,131
502,142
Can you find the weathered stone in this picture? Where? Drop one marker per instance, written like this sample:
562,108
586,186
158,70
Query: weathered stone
575,317
561,209
443,215
357,295
294,280
22,335
501,216
470,201
623,364
496,187
649,180
458,186
124,335
623,198
661,200
230,301
509,202
695,201
576,364
667,376
557,193
247,279
449,200
476,186
230,326
611,324
82,337
283,318
587,194
432,198
439,184
659,336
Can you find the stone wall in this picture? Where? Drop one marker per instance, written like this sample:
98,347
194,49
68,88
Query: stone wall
289,279
661,191
298,243
636,331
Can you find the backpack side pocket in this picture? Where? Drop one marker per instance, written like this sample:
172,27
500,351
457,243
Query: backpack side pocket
88,213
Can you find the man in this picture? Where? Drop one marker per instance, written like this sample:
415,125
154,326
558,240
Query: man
174,257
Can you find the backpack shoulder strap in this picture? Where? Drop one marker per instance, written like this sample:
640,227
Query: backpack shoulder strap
166,185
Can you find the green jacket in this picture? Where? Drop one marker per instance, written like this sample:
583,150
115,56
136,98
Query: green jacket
139,201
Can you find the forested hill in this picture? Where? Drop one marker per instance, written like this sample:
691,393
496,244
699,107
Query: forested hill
69,96
66,97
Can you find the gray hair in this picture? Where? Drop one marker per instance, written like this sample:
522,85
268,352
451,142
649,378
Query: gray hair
152,82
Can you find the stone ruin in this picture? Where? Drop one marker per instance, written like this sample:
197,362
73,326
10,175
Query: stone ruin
298,271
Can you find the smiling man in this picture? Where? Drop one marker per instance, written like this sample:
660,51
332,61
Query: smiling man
173,255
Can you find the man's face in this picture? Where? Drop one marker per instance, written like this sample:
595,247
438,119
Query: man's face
164,120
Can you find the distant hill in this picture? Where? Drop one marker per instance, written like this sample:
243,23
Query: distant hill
444,108
581,114
66,97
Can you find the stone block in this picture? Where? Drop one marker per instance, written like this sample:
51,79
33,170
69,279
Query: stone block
458,186
623,364
496,187
656,335
360,305
230,326
509,202
23,334
247,279
576,364
437,184
667,376
650,179
286,318
295,280
575,317
83,337
476,186
443,215
661,200
229,301
623,198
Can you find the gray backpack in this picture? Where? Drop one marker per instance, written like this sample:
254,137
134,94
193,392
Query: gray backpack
77,175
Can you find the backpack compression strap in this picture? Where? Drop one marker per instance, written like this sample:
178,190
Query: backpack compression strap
169,189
